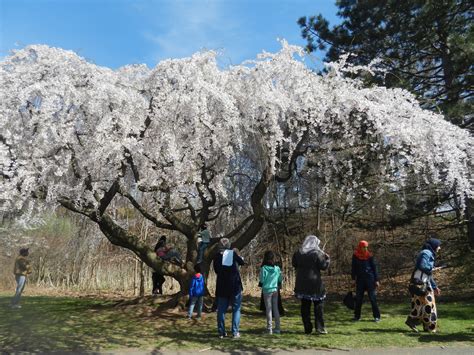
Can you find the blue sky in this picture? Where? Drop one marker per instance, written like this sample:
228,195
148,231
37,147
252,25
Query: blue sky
114,33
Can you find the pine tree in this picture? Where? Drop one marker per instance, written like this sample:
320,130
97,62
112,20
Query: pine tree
426,47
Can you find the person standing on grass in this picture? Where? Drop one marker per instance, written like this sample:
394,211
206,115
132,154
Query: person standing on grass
423,308
21,270
364,274
157,278
270,279
196,292
228,286
308,261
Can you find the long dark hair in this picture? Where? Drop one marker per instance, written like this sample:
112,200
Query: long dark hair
268,258
161,243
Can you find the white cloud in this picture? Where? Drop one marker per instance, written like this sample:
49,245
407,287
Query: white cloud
184,27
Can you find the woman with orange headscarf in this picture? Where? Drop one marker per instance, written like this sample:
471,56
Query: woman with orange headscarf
364,273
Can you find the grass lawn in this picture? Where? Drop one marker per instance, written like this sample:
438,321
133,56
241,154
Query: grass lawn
77,324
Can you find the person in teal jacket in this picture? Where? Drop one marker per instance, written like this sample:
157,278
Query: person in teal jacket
270,279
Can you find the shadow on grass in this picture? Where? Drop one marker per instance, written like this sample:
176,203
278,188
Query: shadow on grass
253,341
52,324
47,324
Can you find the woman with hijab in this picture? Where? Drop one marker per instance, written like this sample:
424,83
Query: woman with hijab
308,261
423,307
364,273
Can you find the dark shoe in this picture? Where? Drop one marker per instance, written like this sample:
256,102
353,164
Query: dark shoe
355,319
411,325
222,336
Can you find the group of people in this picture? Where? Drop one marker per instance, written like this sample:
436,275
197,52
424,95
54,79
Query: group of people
168,253
309,260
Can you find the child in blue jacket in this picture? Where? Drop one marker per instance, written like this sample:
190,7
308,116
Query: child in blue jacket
196,292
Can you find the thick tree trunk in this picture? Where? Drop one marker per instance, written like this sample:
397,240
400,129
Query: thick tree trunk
142,280
469,215
119,236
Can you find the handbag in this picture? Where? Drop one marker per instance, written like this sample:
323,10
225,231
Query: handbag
418,283
349,300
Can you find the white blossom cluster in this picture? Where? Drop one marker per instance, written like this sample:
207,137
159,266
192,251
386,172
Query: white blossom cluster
71,128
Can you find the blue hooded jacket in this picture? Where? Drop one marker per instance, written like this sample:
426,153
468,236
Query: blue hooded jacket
197,288
425,261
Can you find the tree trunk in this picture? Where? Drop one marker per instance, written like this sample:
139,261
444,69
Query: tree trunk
469,215
142,280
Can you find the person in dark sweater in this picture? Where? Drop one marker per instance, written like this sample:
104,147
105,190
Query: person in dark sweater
157,278
364,274
21,271
308,261
228,286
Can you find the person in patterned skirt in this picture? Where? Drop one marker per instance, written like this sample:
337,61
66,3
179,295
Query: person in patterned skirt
423,307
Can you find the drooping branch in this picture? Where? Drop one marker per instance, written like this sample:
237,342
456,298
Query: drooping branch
70,205
108,197
219,210
298,152
258,210
123,238
146,214
176,222
241,225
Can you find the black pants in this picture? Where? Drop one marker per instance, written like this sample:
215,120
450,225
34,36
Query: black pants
369,286
306,315
158,281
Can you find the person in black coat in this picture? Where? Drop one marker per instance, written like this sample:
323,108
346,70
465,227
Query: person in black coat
364,273
228,286
308,261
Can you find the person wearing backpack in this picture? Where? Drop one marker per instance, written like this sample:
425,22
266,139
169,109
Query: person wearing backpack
270,278
423,305
196,292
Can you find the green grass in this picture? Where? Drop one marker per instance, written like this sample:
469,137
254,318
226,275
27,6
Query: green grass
54,323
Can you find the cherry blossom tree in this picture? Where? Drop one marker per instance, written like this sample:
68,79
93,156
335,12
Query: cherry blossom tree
171,140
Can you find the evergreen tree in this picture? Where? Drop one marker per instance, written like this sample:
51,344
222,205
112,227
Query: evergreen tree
425,46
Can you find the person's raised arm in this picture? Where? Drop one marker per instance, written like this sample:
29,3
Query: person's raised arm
323,260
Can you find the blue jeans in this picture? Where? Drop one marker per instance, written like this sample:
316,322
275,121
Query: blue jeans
361,287
192,302
222,304
202,248
20,286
